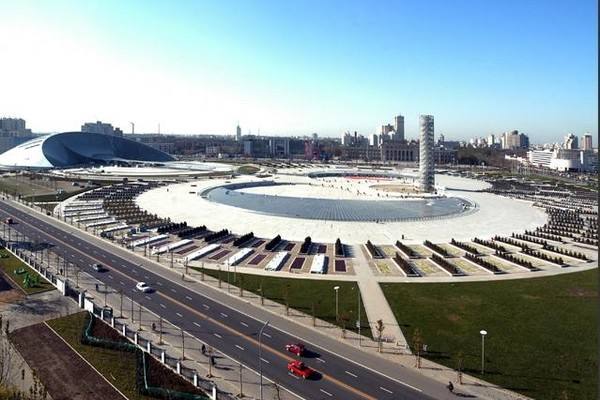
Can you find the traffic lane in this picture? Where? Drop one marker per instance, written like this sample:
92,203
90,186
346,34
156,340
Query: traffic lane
347,375
274,368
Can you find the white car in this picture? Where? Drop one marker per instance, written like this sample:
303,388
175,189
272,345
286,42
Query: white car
143,287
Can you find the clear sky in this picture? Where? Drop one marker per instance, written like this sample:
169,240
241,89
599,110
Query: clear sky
297,67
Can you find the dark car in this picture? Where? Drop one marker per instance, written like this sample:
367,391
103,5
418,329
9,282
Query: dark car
98,267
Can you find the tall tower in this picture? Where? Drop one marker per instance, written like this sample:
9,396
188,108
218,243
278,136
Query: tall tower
238,133
399,128
586,142
426,169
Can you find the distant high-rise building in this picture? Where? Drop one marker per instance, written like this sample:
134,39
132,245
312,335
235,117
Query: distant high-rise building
426,153
586,142
375,140
238,133
514,140
386,129
398,128
13,132
101,127
491,140
571,142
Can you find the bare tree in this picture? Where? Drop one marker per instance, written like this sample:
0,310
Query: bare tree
417,346
379,327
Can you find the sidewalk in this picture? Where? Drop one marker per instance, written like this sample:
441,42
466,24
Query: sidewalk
375,303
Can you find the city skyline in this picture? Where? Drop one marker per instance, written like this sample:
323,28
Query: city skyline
312,68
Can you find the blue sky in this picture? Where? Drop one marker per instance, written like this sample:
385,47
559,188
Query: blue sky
479,67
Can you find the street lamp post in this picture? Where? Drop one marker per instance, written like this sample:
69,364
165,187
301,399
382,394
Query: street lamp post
336,288
483,333
260,357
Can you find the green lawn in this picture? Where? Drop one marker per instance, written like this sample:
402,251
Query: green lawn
117,366
303,293
542,332
11,263
248,169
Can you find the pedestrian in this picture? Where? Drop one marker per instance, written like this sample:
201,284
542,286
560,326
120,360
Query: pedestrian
212,361
450,387
153,326
203,349
96,287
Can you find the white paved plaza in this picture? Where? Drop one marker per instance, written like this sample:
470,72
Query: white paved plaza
495,215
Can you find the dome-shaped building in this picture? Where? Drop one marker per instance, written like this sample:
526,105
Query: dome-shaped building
69,149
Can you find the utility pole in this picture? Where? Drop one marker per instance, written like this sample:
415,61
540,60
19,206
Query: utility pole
160,330
140,317
182,344
241,395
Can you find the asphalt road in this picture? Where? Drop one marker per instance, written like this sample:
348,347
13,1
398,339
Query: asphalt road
231,332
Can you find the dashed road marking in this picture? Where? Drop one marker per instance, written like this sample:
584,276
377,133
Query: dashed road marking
243,323
163,306
179,315
239,347
351,374
267,335
385,390
224,315
327,393
265,361
217,335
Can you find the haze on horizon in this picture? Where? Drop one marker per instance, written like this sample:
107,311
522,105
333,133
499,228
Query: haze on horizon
296,68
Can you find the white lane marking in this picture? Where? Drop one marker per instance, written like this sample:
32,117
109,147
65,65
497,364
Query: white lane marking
146,276
188,297
121,282
148,297
197,324
159,284
179,315
110,276
205,306
267,335
173,290
385,390
163,306
327,393
265,361
293,376
240,347
320,360
81,260
351,374
217,335
243,323
113,260
224,315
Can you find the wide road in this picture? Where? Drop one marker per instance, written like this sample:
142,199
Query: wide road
231,332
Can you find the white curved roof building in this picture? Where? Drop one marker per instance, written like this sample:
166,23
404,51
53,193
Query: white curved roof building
71,149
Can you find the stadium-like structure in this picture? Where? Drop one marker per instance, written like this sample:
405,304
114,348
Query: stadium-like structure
68,149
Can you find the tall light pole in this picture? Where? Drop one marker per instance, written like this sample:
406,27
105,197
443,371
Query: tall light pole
359,323
483,333
336,288
260,357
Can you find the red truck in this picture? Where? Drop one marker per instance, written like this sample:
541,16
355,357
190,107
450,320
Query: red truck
300,369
